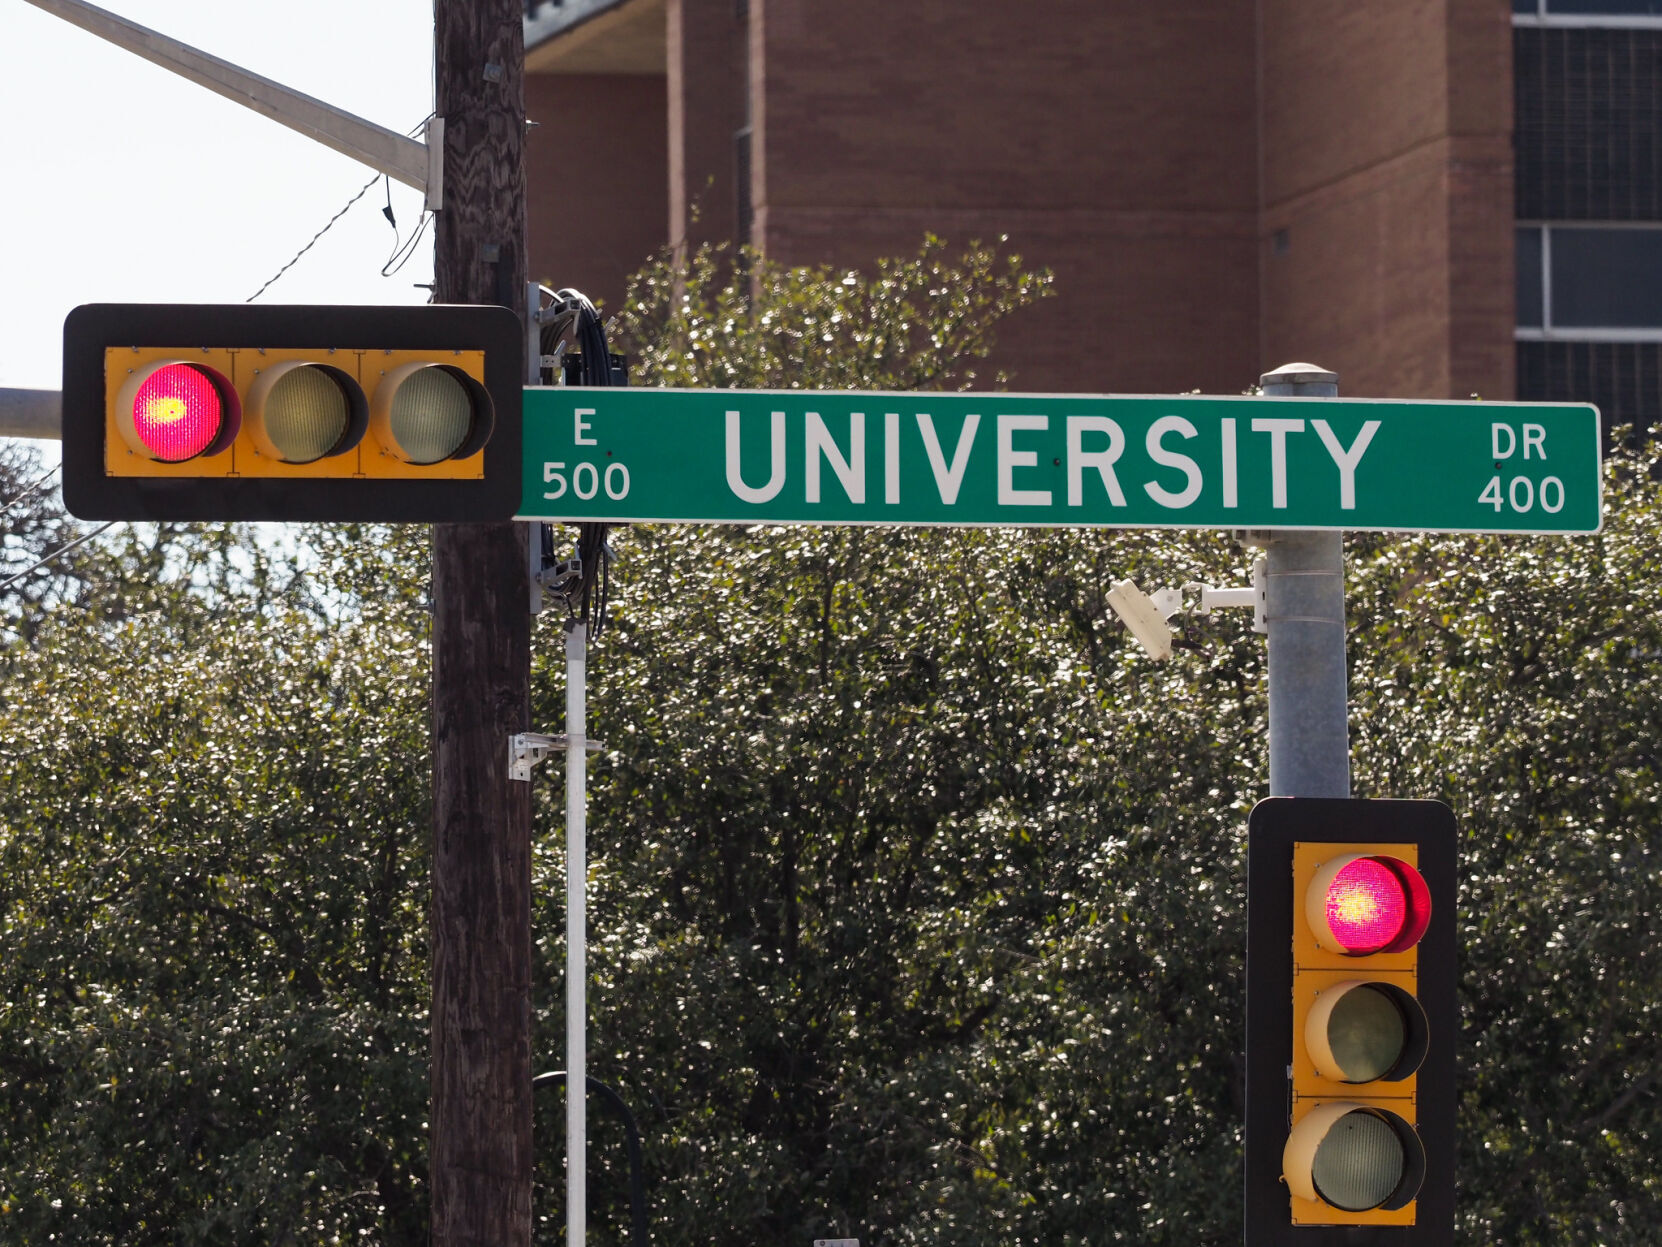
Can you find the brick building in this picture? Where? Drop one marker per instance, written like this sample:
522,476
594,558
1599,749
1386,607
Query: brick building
1434,197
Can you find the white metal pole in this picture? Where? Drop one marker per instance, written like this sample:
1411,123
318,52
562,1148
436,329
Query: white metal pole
577,674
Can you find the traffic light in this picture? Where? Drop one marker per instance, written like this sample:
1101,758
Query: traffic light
238,412
1351,1023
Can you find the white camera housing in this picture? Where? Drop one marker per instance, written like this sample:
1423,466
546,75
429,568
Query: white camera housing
1143,616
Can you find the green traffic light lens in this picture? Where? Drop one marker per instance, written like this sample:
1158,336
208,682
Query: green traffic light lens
1359,1163
432,414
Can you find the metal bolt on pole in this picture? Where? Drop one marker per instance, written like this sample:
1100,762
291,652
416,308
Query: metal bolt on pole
1304,612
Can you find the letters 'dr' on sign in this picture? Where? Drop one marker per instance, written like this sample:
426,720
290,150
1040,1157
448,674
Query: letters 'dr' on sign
844,457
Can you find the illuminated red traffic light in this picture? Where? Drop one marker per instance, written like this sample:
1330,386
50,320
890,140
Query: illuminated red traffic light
172,411
1359,905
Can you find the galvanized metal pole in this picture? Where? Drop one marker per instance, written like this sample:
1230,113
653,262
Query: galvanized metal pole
1304,612
420,165
577,873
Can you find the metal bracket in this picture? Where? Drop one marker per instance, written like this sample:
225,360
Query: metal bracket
1195,598
1214,599
536,316
434,190
526,749
547,577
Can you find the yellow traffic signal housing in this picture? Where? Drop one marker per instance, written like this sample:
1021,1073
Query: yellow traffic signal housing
1351,1022
292,413
1359,1033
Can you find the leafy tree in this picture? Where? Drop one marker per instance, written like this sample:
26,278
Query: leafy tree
212,879
916,890
31,527
1518,679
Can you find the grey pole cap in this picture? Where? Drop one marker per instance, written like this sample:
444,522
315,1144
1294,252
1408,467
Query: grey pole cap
1299,374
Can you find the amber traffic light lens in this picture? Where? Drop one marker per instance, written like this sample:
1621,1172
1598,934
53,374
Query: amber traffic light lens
1359,1032
173,411
1366,1033
426,413
1359,905
307,415
301,412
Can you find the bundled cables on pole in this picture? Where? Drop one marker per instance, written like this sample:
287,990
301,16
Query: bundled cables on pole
571,328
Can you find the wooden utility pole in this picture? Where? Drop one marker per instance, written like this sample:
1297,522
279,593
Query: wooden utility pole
480,1121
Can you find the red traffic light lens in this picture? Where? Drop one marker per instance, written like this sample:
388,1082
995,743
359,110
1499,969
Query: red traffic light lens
177,412
1366,906
1362,903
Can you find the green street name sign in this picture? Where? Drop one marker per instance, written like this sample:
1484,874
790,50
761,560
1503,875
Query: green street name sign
845,457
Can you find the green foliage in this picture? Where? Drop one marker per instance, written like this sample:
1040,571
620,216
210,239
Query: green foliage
916,890
212,917
916,901
724,322
1520,681
32,526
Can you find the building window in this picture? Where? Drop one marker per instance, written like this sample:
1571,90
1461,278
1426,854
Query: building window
1622,379
1588,124
1590,319
1593,283
1587,135
1586,12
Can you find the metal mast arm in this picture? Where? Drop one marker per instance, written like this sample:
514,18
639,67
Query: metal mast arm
396,155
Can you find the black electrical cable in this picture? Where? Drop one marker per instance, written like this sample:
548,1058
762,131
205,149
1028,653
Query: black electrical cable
403,251
632,1141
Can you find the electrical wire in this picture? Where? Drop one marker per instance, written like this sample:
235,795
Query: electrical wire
639,1230
387,212
62,550
403,253
320,233
28,493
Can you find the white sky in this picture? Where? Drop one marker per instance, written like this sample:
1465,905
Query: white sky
122,182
